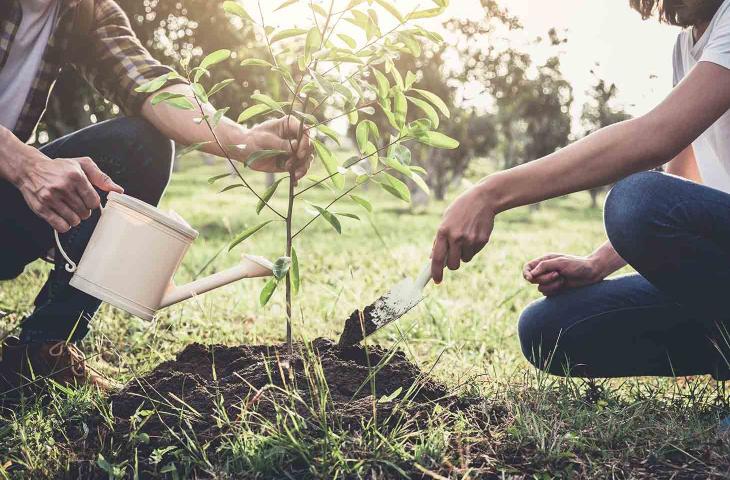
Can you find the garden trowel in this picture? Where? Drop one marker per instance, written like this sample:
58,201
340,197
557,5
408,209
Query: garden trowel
388,308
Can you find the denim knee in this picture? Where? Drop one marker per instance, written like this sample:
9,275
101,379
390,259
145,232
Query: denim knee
631,212
539,333
150,155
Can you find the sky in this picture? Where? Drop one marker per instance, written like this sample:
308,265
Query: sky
634,54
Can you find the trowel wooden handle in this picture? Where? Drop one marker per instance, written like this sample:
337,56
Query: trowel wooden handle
424,277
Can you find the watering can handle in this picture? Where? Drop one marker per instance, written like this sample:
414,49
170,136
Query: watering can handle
70,264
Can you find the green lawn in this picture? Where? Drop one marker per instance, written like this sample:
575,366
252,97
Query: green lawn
465,331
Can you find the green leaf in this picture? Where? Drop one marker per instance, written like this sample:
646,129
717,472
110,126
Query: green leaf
285,4
153,85
435,101
331,219
294,271
199,92
329,162
199,72
235,8
348,40
410,79
348,215
177,100
281,267
391,397
192,148
364,131
268,291
215,178
352,117
247,233
305,117
220,86
287,33
253,111
412,44
215,57
312,44
426,107
318,8
255,62
266,196
391,9
231,187
401,153
393,163
259,155
383,84
400,108
322,82
421,183
437,140
371,154
398,79
268,101
217,116
331,134
362,202
395,187
361,134
428,13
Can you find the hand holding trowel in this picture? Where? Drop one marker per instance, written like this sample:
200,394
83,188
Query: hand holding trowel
388,308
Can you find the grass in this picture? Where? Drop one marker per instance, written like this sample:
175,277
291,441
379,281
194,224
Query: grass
526,425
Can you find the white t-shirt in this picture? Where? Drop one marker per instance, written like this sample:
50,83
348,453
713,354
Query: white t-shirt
24,57
712,148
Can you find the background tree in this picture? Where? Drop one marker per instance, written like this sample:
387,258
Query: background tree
170,31
598,112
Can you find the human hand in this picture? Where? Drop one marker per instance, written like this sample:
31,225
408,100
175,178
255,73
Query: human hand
465,230
554,273
61,191
279,134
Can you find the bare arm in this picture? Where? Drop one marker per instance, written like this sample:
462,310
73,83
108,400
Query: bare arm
685,165
60,191
604,157
239,142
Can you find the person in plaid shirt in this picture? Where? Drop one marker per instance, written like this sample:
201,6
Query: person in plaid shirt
61,185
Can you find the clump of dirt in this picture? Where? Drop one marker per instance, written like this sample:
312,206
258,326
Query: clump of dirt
352,384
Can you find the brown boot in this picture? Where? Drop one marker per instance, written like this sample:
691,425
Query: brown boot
25,364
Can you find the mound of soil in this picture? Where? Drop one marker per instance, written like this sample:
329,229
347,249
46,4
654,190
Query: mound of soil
254,382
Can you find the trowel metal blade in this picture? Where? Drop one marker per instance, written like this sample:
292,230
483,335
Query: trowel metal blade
386,309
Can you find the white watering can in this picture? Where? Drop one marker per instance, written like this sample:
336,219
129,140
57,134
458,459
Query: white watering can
133,254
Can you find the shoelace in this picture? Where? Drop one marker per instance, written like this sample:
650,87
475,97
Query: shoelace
76,357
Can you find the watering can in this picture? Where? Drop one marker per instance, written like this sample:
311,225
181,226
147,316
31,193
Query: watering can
133,254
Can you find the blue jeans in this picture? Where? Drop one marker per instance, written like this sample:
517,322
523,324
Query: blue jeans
670,319
138,158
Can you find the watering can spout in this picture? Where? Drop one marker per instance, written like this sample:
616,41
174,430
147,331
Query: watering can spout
251,267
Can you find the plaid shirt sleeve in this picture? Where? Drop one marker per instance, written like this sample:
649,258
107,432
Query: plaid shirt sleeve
116,62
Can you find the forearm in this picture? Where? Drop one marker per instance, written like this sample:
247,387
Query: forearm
14,156
605,260
185,127
685,165
621,149
602,158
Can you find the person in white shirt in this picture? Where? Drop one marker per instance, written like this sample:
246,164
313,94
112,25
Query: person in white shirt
671,318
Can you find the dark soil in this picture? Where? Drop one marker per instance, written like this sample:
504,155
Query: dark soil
358,326
245,378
